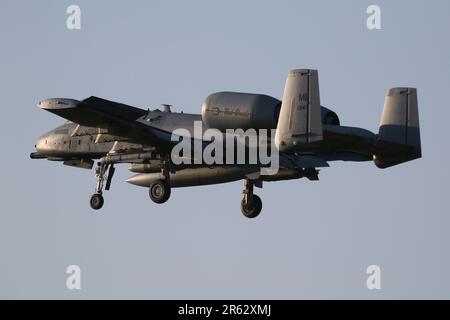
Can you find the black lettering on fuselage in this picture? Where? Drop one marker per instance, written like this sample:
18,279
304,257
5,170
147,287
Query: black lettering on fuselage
227,111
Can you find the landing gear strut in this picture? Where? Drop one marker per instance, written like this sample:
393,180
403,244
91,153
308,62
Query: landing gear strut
251,204
97,200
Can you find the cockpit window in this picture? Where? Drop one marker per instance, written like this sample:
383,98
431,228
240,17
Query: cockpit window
153,119
61,131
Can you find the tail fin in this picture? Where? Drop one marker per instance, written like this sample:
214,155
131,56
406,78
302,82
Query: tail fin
300,120
399,133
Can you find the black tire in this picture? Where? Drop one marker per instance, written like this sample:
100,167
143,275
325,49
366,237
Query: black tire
159,191
254,210
96,201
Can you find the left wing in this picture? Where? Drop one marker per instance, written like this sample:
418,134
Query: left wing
117,118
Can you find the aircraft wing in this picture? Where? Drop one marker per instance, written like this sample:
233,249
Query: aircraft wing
117,118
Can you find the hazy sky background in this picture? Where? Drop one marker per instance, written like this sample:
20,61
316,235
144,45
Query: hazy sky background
312,239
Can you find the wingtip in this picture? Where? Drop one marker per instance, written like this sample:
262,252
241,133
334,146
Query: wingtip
57,103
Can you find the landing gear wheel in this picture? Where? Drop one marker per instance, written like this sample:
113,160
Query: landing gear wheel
96,201
159,191
251,210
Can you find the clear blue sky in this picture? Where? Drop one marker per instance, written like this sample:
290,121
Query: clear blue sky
312,240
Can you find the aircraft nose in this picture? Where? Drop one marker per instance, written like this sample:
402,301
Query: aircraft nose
41,143
40,149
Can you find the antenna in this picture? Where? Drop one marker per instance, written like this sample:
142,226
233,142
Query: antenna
166,107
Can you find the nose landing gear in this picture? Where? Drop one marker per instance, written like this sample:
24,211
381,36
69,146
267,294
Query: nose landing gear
97,200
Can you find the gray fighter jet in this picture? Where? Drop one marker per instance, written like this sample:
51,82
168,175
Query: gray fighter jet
306,137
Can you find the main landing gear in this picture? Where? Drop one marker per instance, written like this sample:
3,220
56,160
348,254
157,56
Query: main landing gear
97,200
251,204
159,190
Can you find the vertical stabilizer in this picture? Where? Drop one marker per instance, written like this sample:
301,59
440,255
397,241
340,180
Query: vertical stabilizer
399,128
300,120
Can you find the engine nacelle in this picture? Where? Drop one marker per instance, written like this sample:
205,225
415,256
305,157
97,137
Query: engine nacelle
234,110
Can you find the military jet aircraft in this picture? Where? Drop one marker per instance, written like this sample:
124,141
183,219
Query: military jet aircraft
307,136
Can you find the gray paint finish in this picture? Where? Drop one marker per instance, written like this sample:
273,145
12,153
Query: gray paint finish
313,240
